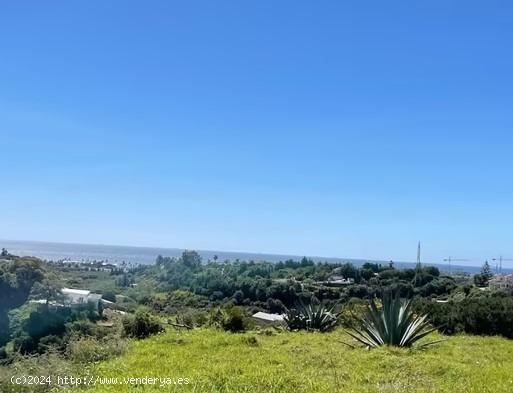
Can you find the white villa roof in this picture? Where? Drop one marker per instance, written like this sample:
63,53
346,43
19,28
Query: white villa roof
268,317
69,291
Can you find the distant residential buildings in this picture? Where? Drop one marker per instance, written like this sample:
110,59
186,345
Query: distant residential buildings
501,282
337,281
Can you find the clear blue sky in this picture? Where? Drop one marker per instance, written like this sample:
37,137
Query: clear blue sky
327,128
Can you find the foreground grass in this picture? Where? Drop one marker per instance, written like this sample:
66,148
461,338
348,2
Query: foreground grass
310,362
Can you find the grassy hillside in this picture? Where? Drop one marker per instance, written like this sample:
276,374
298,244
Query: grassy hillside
311,362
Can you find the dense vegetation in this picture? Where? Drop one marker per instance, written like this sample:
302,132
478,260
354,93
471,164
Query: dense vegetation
39,332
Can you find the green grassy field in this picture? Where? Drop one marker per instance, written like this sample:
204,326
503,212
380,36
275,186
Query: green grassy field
310,362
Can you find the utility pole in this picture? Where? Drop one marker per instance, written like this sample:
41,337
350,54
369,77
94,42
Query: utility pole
418,256
418,267
501,259
451,259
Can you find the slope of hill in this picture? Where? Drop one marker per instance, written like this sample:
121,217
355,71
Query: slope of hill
212,361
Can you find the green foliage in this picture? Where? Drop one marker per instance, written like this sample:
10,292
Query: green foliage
231,319
234,320
192,318
482,279
311,317
394,324
486,271
85,350
110,296
17,277
141,325
483,314
48,326
50,343
83,328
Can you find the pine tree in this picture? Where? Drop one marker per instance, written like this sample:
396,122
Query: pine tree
486,271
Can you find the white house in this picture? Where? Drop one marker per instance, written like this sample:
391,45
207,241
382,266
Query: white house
80,296
267,318
336,281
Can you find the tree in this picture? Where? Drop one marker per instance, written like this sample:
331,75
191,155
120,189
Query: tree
109,296
4,253
17,278
480,280
238,296
486,271
191,259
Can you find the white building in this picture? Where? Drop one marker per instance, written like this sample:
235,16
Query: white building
267,318
80,296
337,281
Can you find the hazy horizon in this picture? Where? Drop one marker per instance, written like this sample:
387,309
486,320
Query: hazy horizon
73,247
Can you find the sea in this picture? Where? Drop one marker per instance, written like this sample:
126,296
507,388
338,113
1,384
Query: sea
147,255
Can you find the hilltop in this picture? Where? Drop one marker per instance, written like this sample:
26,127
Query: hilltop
215,361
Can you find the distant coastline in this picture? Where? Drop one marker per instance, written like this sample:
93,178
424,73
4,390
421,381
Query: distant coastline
146,255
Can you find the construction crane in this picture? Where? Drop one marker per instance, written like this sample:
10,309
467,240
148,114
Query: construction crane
498,269
450,260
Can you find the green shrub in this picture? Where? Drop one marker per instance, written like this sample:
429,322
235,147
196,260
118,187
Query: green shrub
311,317
87,349
251,341
49,343
353,310
82,327
482,314
24,344
49,363
216,317
141,325
192,318
109,296
234,320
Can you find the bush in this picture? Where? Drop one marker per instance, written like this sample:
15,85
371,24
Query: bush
314,316
24,344
234,320
141,325
109,296
87,349
45,364
51,342
250,341
82,328
353,310
483,315
192,318
216,318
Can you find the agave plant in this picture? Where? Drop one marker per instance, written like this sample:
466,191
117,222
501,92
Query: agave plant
310,317
394,324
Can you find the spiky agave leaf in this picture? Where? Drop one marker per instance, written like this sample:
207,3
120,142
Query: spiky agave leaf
394,324
310,317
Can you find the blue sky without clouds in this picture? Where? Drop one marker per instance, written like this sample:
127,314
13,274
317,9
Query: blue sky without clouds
329,128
